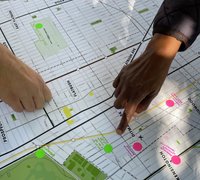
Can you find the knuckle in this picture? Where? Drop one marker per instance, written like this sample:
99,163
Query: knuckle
36,82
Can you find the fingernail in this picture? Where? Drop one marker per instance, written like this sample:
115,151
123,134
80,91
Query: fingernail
119,131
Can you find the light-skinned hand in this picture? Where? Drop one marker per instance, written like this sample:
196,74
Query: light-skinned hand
20,86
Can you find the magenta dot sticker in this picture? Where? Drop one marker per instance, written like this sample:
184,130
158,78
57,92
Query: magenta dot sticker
137,146
176,159
170,103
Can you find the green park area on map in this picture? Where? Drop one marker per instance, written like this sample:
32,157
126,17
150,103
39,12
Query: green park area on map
35,167
50,40
83,168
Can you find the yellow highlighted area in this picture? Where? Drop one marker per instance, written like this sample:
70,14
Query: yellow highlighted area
91,93
67,111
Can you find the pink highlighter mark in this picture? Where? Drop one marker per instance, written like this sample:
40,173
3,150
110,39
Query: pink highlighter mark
176,159
170,103
137,146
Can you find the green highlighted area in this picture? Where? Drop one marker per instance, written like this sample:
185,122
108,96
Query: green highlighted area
50,40
113,49
34,16
96,22
143,10
34,168
13,117
108,148
83,168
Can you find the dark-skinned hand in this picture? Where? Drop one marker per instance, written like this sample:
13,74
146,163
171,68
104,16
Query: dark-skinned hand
140,81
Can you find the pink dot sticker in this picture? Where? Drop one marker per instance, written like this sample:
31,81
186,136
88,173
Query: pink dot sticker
176,160
170,103
137,146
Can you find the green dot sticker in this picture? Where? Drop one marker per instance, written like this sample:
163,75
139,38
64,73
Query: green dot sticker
40,153
108,148
38,25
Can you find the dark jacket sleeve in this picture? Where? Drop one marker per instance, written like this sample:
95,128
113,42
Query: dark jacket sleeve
180,19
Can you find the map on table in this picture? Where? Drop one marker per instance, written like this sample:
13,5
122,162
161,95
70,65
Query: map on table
79,47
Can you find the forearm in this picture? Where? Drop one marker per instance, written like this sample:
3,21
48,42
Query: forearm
164,46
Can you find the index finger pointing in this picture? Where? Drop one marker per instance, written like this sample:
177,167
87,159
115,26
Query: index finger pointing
127,116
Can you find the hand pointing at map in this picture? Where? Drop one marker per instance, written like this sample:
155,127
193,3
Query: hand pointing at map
21,87
175,27
140,81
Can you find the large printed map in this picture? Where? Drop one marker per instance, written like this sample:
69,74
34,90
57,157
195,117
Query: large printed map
79,47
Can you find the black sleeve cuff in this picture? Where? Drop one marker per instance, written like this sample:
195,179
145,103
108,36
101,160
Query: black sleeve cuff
179,19
174,33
